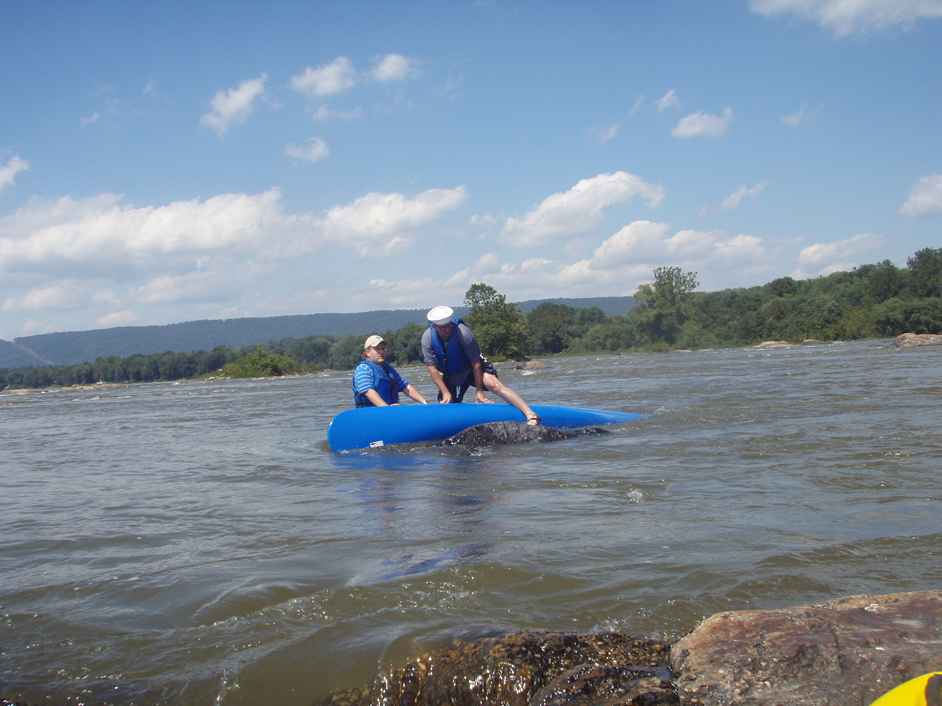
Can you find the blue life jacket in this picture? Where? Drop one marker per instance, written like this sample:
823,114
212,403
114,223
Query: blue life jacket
450,357
385,385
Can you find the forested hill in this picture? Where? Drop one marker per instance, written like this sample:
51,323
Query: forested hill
79,346
13,355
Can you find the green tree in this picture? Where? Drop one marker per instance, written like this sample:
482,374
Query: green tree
552,327
261,362
666,304
925,268
500,328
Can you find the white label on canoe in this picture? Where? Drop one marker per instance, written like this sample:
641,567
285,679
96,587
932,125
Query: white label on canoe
376,444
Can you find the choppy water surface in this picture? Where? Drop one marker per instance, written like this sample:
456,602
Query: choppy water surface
194,543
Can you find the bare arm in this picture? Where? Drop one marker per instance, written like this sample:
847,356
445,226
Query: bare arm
415,394
373,396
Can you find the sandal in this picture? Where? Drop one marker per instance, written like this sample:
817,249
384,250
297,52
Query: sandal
533,420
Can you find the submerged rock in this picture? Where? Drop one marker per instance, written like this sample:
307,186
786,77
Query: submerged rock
498,433
911,340
528,669
845,652
848,651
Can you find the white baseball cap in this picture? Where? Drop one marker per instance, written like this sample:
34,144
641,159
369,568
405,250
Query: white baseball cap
373,341
440,315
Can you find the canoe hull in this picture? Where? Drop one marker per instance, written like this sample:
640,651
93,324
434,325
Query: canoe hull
367,427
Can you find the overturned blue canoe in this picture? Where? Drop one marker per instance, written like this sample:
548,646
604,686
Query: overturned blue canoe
367,427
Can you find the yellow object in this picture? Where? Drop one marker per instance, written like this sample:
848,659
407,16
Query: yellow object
921,691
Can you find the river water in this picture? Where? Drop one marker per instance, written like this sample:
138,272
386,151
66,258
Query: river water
195,542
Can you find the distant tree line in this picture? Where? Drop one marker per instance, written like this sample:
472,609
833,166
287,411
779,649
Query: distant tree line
868,302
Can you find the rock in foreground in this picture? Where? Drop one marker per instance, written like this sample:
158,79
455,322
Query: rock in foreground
528,669
846,652
842,653
912,340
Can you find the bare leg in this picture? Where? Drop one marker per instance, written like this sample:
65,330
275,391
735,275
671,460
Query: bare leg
493,384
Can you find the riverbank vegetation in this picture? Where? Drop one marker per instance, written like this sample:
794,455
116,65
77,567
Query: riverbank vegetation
869,301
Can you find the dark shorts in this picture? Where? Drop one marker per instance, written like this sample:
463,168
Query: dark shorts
458,391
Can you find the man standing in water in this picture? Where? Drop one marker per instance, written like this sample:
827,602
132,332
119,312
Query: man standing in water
455,363
376,383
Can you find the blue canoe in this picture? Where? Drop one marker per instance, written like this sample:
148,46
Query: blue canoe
367,427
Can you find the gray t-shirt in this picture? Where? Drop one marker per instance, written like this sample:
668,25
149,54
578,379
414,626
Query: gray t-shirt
468,343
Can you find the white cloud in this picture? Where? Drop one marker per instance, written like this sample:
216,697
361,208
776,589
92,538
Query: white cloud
668,100
368,222
8,171
104,229
313,150
639,240
116,318
925,197
392,67
233,105
844,17
795,119
839,255
325,114
743,192
647,243
636,106
703,125
326,80
59,296
579,209
89,119
173,288
102,232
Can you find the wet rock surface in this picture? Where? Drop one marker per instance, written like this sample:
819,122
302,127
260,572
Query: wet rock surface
845,652
499,433
528,669
912,340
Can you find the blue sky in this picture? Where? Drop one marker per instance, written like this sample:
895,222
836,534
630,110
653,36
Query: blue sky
162,162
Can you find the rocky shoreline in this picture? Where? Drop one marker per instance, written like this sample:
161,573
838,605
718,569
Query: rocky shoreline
845,652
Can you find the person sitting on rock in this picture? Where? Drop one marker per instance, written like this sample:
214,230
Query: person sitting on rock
454,362
376,383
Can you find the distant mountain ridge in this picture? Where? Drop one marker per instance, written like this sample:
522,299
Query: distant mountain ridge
69,347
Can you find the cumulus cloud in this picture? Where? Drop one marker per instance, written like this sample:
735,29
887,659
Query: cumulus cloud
313,150
60,296
173,288
329,79
579,209
839,255
668,100
8,171
366,223
104,230
233,106
845,17
640,240
392,67
925,197
742,193
703,125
